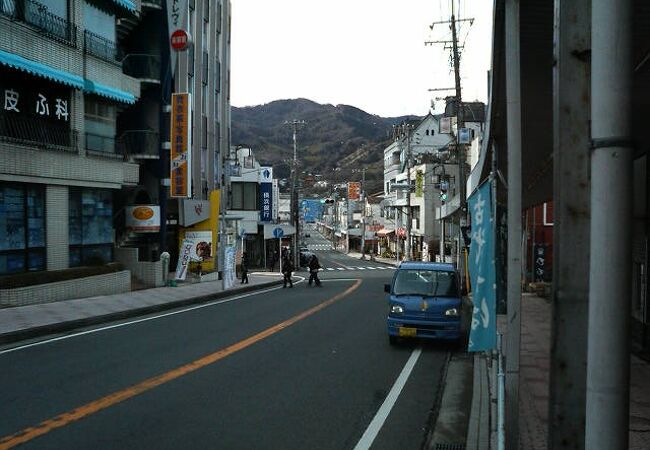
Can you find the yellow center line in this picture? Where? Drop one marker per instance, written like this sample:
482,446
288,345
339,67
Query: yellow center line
66,418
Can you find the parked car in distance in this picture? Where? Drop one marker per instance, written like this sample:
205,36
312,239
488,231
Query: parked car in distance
424,301
305,256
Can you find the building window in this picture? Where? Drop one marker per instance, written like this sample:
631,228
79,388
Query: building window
100,120
90,226
101,23
245,196
22,228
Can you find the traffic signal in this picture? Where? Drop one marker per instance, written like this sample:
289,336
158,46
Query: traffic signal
443,192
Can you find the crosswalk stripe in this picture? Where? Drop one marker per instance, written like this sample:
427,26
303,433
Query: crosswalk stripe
361,268
371,268
340,268
329,268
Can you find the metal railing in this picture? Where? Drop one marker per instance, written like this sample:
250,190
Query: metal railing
139,143
99,143
37,15
153,3
101,47
142,66
26,131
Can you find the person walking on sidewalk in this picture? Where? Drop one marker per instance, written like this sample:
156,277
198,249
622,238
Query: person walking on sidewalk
287,269
314,265
244,269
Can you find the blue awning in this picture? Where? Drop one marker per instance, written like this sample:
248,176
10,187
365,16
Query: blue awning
106,91
40,70
128,4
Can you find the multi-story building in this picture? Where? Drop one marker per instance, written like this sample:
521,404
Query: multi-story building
428,147
83,133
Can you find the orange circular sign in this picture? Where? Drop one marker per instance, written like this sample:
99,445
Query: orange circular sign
143,213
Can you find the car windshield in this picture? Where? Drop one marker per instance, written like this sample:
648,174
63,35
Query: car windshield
425,282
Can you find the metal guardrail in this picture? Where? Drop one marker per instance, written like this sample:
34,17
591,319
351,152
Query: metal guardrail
37,15
101,48
25,131
142,66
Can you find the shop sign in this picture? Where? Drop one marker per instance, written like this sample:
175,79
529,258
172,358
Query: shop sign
354,190
201,244
184,258
181,180
194,211
419,183
266,194
143,218
30,97
483,333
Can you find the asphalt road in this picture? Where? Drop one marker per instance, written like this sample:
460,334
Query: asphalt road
301,368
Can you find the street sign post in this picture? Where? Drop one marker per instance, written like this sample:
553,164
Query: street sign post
180,40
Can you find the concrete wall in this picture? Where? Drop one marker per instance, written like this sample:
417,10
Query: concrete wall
147,272
19,163
107,284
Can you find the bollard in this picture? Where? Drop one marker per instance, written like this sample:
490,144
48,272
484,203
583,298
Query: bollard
164,257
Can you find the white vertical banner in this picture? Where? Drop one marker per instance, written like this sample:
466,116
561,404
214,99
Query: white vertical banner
176,19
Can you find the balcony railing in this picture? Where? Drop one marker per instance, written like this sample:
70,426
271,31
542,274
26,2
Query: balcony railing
27,131
101,47
37,15
154,4
142,67
99,143
139,144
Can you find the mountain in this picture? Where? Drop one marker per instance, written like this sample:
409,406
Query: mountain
333,136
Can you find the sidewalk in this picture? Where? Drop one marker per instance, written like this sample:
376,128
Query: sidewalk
24,322
534,381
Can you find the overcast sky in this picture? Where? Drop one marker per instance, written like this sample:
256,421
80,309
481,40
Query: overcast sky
365,53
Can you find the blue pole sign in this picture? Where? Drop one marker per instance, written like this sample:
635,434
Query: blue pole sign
266,194
278,232
483,333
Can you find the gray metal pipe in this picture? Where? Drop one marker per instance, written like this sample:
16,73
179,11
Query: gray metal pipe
513,97
608,359
501,389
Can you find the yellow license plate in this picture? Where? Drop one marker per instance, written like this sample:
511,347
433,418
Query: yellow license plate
407,332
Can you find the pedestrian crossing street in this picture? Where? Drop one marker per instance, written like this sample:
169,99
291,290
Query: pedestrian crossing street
341,269
320,247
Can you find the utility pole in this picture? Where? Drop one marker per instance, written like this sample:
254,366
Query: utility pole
363,213
294,193
409,220
460,119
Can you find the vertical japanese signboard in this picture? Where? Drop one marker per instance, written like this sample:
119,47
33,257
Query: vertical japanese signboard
181,179
483,333
354,190
419,183
266,194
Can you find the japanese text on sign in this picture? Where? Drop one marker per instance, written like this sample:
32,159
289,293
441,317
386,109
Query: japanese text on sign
180,146
482,271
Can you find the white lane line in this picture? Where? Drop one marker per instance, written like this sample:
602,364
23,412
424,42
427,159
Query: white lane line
384,410
370,268
361,268
340,268
146,319
330,268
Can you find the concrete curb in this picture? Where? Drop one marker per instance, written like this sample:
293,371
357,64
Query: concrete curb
452,421
30,333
